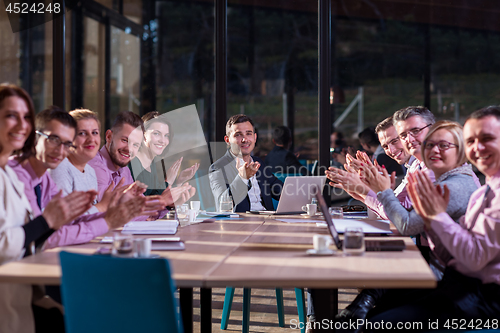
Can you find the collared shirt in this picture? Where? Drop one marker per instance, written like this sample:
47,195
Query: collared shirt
254,193
400,192
474,243
106,172
81,230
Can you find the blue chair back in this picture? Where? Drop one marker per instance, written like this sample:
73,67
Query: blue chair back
107,294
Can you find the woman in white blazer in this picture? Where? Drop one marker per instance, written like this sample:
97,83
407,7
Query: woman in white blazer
19,230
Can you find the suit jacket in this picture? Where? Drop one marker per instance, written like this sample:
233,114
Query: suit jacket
225,182
284,161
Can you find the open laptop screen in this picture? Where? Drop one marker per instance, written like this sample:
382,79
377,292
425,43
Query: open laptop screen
331,227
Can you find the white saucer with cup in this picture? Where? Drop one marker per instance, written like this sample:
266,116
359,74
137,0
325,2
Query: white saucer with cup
310,209
320,244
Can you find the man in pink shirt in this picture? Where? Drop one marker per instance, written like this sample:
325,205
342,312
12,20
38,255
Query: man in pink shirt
55,134
123,141
470,290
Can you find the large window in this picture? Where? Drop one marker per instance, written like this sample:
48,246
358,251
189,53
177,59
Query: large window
145,55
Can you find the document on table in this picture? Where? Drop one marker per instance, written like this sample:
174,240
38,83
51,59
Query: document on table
158,227
368,226
301,220
217,215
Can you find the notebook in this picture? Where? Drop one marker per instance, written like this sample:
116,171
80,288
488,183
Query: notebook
370,245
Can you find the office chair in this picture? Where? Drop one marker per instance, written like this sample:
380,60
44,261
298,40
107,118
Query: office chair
228,302
126,295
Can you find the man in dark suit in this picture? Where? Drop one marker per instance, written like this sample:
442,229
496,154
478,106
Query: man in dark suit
237,174
280,159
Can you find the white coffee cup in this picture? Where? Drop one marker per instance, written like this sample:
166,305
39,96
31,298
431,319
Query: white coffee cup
195,205
192,215
310,209
142,247
321,242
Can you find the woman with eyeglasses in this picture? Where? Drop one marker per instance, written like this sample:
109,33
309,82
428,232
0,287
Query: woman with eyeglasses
148,167
19,231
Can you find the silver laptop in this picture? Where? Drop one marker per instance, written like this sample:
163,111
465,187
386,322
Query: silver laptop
297,191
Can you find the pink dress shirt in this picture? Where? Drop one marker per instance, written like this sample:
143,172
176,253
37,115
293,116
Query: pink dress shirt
474,243
106,173
81,230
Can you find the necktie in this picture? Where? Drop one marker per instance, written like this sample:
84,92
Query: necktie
38,193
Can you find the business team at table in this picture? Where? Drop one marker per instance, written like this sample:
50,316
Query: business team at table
100,194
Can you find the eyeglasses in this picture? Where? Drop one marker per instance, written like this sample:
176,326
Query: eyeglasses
442,145
55,141
414,132
353,208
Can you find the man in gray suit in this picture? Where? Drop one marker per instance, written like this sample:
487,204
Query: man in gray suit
237,174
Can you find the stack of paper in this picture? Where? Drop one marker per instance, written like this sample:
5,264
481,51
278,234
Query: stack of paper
158,227
217,215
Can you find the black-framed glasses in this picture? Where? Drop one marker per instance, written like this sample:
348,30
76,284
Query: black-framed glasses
55,141
414,132
442,145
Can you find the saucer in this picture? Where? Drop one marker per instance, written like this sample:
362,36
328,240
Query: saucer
313,252
307,215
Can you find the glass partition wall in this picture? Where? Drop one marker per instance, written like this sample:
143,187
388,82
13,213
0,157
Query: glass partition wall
144,55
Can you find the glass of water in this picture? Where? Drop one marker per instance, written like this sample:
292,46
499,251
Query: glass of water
226,206
182,213
354,242
122,244
336,212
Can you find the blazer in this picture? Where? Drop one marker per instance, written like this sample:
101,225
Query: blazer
16,315
225,182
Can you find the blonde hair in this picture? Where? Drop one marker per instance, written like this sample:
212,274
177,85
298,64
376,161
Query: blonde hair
456,130
81,114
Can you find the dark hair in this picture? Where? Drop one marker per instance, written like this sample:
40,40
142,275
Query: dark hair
237,119
339,141
155,117
411,111
127,117
491,110
11,90
384,125
53,113
282,136
369,137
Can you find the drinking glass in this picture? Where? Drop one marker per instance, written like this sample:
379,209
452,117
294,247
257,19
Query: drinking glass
182,213
354,242
122,244
336,212
226,206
